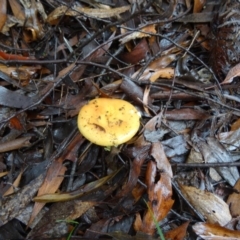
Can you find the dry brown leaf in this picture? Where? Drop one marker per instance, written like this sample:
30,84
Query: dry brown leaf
90,12
230,139
3,13
17,9
69,210
234,199
15,144
2,174
166,73
138,191
235,125
178,233
234,72
55,174
213,208
138,53
143,32
214,152
103,13
54,178
159,193
215,232
198,5
13,205
14,185
145,99
33,26
157,65
22,73
163,164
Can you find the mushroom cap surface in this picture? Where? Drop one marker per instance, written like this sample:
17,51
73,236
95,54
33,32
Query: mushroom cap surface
108,122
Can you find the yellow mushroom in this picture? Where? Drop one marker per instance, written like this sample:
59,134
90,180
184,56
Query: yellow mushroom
108,122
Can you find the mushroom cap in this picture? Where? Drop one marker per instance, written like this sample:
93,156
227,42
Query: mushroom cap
108,122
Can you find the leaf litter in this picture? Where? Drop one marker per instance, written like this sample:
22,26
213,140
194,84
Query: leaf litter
180,71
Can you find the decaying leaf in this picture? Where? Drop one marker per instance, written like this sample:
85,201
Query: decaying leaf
234,199
51,184
234,72
157,68
159,193
198,5
61,197
178,233
64,213
213,208
210,231
230,139
17,10
80,11
55,175
57,57
3,13
143,32
14,185
14,204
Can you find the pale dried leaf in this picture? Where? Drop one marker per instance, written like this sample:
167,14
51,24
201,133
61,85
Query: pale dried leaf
159,191
90,12
231,139
213,208
11,21
214,152
215,232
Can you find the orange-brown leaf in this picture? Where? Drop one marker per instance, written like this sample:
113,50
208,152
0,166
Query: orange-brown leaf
198,5
213,208
3,13
15,123
234,199
215,232
159,191
178,233
235,125
7,56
